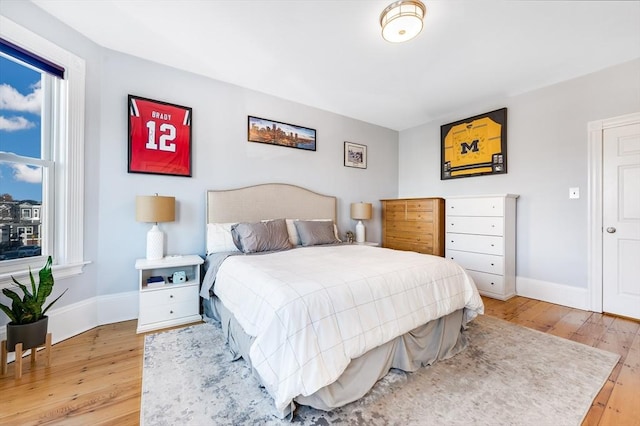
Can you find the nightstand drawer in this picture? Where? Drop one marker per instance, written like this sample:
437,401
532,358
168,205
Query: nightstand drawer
167,312
477,262
166,295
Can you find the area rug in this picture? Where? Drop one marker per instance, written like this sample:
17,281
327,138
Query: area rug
508,375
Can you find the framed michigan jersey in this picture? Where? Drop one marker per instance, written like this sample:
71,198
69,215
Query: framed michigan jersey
474,146
159,137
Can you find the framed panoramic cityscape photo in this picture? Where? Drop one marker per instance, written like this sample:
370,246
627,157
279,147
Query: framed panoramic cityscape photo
277,133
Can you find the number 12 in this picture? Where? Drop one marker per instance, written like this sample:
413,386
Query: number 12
165,138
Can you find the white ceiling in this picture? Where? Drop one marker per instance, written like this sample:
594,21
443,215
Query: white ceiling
329,53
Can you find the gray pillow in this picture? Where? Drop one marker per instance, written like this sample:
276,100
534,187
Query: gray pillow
313,232
261,236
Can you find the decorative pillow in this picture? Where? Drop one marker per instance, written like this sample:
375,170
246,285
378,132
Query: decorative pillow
219,238
255,237
294,238
315,232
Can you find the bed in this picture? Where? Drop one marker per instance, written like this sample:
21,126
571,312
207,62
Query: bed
320,321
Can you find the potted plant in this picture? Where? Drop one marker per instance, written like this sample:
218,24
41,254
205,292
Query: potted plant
29,323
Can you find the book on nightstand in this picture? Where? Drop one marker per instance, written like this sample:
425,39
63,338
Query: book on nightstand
155,281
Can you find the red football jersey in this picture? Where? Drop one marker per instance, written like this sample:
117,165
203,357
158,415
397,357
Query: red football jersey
160,137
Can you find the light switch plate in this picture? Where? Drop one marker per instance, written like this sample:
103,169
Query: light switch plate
574,193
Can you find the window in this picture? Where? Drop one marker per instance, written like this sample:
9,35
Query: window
48,166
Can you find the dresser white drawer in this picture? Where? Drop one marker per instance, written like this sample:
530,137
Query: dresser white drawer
477,261
490,283
168,312
475,243
475,225
491,206
167,294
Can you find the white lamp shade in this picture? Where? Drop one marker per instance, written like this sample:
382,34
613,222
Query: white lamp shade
402,20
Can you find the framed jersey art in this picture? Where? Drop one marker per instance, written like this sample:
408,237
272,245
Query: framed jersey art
474,146
159,137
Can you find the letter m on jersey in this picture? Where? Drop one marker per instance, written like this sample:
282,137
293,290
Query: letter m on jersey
466,147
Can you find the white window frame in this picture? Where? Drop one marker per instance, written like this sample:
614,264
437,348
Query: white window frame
66,217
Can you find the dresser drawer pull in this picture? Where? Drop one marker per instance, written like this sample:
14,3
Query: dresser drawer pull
491,283
170,312
492,264
171,296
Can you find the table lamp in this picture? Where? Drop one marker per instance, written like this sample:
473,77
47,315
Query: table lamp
155,209
360,212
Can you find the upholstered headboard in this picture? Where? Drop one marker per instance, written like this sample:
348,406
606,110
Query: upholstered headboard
268,201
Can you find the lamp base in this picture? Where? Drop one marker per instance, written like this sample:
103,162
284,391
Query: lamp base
359,232
155,243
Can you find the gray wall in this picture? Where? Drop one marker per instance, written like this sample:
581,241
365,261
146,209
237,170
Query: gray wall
222,157
547,154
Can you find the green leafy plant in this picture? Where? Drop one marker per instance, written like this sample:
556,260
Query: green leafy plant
28,308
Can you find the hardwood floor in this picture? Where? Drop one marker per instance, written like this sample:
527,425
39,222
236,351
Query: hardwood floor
95,377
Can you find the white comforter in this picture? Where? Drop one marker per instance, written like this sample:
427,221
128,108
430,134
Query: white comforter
312,310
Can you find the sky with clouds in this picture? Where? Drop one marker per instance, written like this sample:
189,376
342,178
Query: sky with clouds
20,129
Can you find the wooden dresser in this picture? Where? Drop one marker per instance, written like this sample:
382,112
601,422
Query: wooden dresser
481,237
415,224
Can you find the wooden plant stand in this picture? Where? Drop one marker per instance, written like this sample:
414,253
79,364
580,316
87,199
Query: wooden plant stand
19,351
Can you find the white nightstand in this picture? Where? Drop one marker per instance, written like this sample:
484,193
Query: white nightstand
172,303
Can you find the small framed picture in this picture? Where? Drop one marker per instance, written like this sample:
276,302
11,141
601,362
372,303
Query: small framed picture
355,155
159,137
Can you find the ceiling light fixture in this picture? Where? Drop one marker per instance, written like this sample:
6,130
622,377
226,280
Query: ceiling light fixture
402,20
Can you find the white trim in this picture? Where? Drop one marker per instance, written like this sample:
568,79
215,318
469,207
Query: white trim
71,320
118,307
67,219
560,294
594,220
59,272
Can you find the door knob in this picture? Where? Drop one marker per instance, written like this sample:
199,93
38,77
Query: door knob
611,229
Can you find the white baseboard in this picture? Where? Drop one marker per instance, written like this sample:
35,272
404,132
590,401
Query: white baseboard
118,307
79,317
560,294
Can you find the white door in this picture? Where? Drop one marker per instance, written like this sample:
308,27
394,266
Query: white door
621,221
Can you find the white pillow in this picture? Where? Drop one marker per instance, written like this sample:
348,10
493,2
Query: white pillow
294,238
219,238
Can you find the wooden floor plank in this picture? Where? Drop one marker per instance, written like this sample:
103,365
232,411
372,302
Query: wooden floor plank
95,378
624,402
